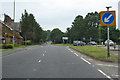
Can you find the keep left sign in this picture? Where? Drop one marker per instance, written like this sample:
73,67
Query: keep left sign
108,18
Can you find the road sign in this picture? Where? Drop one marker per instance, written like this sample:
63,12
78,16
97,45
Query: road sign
65,38
108,18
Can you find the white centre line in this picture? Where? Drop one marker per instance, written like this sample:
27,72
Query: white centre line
34,70
85,60
104,74
43,54
39,61
76,54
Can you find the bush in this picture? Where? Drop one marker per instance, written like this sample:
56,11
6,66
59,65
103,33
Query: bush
28,42
7,46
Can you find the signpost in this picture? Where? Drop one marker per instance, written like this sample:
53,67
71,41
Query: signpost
64,38
108,18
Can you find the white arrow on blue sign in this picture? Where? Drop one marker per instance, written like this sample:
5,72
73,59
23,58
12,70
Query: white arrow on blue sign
108,18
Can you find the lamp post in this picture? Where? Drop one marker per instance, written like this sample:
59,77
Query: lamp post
108,46
13,23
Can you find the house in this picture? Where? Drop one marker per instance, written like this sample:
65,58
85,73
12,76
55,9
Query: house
6,29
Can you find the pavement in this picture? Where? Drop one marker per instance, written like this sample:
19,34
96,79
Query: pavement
50,61
115,51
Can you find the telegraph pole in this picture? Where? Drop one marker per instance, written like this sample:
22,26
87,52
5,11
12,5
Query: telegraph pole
108,46
13,23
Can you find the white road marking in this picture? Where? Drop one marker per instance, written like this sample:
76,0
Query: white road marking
45,51
34,70
71,51
43,54
107,65
104,74
116,75
76,54
39,61
41,46
85,60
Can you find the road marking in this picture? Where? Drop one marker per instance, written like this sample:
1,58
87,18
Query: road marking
45,51
43,54
34,70
107,65
76,54
116,75
85,60
41,46
71,51
104,74
39,61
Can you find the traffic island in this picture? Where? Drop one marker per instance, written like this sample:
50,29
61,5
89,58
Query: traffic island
95,52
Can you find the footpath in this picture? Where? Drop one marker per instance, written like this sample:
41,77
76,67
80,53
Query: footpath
115,51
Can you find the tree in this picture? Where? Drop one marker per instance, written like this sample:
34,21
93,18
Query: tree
56,35
30,29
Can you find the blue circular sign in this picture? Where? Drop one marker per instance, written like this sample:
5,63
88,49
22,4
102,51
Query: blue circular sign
108,18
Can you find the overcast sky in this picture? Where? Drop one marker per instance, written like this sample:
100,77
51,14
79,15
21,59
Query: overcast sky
52,14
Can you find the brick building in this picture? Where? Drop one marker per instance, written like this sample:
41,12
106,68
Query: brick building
6,30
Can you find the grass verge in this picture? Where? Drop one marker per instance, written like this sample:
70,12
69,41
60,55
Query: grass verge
18,46
63,44
96,52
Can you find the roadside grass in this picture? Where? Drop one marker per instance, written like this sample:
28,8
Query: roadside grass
96,52
63,44
18,46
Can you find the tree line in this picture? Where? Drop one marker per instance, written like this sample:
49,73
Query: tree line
86,29
31,30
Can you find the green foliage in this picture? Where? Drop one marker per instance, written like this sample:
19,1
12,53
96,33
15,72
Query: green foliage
56,35
96,52
84,28
30,29
7,46
28,42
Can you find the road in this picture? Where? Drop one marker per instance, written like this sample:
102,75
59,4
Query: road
48,61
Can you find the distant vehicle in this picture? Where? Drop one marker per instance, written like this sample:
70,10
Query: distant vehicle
75,43
78,43
81,43
92,43
111,43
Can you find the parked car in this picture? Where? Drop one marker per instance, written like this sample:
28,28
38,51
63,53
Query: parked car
81,43
111,43
78,43
92,43
75,43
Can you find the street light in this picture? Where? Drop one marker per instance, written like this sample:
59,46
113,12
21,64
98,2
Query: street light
13,22
108,46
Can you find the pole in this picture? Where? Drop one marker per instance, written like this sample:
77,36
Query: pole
99,33
14,22
108,46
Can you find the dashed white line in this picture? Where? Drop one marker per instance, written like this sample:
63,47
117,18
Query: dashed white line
85,60
39,61
45,51
34,70
43,54
76,54
104,74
